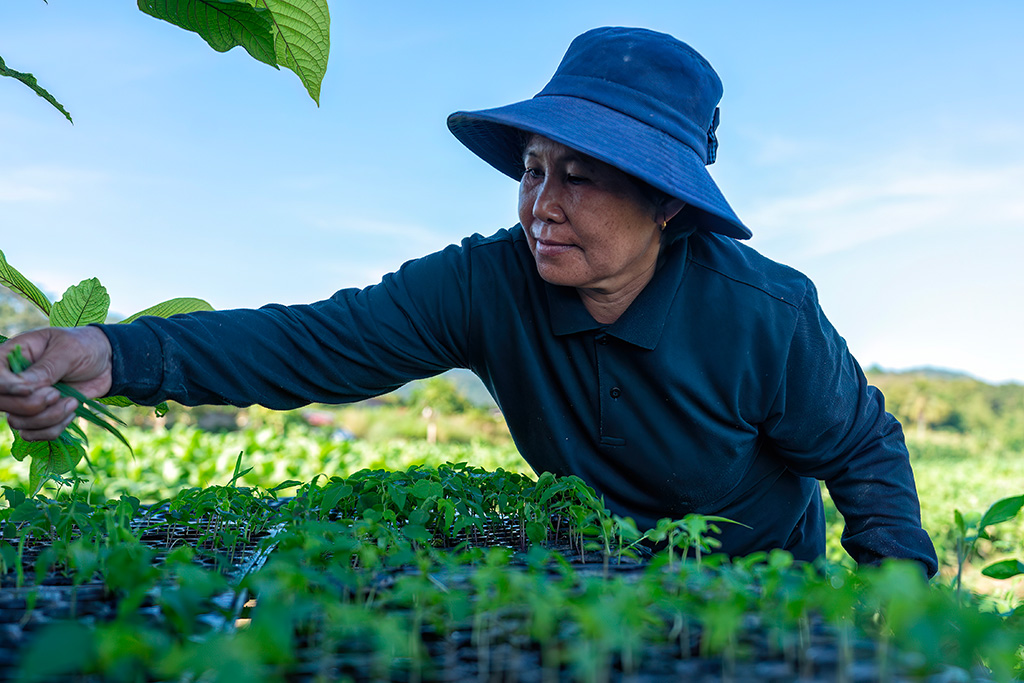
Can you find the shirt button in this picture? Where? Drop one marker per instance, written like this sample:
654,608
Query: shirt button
603,340
615,392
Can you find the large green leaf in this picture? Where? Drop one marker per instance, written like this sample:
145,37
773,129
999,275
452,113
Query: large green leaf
83,304
12,279
223,24
48,457
302,39
30,81
171,307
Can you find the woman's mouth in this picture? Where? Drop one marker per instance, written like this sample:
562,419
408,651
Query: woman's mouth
551,247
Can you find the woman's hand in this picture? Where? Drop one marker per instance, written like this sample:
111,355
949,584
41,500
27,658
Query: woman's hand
77,356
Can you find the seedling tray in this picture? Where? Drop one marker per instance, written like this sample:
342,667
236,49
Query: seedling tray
36,600
504,649
450,576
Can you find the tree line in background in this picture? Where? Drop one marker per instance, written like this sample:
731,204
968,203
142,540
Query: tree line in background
932,400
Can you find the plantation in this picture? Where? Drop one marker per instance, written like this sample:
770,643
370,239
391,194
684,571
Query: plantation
410,541
193,562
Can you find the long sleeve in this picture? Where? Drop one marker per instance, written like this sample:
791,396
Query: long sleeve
722,389
357,344
827,422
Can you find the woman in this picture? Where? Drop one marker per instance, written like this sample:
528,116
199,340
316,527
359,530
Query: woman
626,334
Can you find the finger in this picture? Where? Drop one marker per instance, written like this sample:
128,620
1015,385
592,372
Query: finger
29,404
13,385
49,434
51,420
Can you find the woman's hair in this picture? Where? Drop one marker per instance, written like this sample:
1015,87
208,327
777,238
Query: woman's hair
681,225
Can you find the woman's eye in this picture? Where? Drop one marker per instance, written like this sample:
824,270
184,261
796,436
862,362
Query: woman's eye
531,173
575,179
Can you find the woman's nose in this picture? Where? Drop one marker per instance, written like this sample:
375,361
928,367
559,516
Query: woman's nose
547,205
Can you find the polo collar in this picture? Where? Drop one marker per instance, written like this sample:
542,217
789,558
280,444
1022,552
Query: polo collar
644,320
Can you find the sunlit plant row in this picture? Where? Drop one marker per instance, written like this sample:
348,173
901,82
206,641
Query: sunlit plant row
454,572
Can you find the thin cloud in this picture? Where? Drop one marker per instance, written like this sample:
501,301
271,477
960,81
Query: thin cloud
894,200
47,184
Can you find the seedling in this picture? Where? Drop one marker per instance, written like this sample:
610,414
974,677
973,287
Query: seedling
59,456
82,304
88,409
970,532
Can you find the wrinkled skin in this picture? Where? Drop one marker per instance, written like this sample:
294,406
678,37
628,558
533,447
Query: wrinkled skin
589,226
80,357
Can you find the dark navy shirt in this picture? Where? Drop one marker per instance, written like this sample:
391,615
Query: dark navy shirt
722,389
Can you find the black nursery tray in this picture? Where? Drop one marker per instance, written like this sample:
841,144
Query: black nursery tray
32,601
341,595
504,651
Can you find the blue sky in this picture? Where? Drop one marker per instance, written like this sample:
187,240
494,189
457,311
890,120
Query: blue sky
876,146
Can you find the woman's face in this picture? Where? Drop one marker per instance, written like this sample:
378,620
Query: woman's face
588,224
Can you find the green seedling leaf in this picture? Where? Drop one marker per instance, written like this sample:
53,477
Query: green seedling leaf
160,409
31,82
17,362
92,417
1004,569
78,433
223,24
239,472
70,391
49,458
1002,511
15,281
84,411
418,533
171,307
83,304
398,495
419,516
14,497
302,39
332,494
119,401
424,489
536,532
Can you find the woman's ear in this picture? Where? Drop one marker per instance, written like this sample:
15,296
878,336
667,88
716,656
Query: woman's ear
669,210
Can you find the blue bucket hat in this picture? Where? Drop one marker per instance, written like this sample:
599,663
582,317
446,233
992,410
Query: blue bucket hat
639,100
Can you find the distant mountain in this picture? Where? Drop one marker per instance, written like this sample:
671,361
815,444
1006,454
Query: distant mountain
474,390
924,372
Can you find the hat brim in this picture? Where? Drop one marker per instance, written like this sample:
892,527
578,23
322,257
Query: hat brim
640,150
